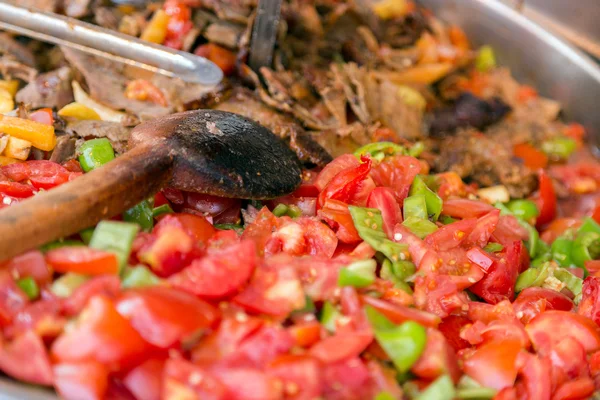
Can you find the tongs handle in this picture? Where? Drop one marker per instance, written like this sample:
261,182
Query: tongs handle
92,39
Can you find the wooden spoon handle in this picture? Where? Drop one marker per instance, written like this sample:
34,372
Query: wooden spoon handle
85,201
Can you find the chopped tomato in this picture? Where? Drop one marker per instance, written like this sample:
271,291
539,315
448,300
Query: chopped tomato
12,298
557,228
31,264
348,379
184,380
103,335
552,326
339,164
42,317
261,229
179,24
535,300
383,199
16,189
568,361
589,306
225,59
219,274
47,174
300,374
337,215
546,200
526,93
494,364
145,380
499,282
26,359
535,375
579,389
165,316
81,380
346,184
397,173
306,333
341,346
532,157
82,260
196,226
106,285
168,250
464,208
437,359
451,327
248,383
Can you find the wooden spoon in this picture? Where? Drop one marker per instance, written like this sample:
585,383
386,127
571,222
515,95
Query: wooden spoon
206,151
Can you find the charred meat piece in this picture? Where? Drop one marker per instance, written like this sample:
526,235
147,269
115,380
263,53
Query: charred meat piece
467,111
21,53
113,131
52,89
243,102
64,149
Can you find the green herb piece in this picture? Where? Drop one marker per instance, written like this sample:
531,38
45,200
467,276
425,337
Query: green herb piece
95,153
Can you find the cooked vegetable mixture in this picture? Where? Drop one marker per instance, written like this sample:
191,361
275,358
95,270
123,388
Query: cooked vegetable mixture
444,243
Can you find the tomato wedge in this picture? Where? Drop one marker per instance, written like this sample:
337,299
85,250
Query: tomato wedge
552,326
82,260
494,364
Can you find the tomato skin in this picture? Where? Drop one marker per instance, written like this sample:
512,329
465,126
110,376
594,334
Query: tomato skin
261,228
337,215
589,306
26,359
219,274
30,264
578,389
494,364
383,199
552,326
194,225
82,260
165,316
167,251
345,184
437,359
145,380
46,174
341,347
532,157
464,208
339,164
81,381
103,335
546,200
106,285
526,304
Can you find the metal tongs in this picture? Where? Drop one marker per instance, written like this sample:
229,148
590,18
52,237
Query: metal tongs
115,46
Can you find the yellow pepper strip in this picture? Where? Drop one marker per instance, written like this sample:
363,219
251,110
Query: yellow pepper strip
156,30
40,135
388,9
7,160
425,74
17,148
6,101
78,111
11,85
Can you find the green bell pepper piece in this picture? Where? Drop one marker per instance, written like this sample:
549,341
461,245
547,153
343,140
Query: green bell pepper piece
561,147
415,207
225,227
65,285
527,210
432,200
138,276
384,396
493,247
329,315
561,250
420,227
585,247
95,153
380,150
59,243
30,287
486,59
280,210
161,210
116,237
358,274
440,389
140,214
403,343
589,225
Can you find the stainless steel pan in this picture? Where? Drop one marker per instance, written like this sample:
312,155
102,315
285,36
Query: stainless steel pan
535,56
